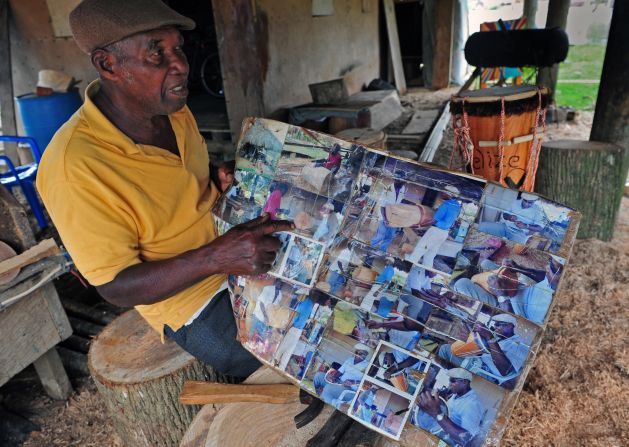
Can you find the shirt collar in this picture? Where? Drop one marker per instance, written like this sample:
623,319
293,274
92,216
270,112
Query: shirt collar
107,132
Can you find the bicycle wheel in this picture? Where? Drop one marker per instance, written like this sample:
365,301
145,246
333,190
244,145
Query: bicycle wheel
211,76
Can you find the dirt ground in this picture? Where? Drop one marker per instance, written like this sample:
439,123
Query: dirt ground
577,393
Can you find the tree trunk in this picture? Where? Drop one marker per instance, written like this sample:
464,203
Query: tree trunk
557,17
139,379
588,176
530,10
611,118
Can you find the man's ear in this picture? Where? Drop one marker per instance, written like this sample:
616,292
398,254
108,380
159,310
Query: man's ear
104,62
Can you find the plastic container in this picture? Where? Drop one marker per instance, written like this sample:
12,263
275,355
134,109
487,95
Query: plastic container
42,116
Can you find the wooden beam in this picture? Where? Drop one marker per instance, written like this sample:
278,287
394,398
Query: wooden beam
7,107
45,248
442,54
394,46
557,17
196,392
611,117
240,33
530,10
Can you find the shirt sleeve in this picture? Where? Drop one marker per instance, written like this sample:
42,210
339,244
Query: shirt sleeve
100,234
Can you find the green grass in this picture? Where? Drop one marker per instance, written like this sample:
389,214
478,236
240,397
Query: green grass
584,62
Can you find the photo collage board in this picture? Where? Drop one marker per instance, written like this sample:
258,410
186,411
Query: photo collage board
406,295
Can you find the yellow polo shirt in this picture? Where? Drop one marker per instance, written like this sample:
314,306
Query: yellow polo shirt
116,203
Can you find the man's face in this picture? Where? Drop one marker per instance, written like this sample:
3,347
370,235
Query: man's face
504,329
155,70
526,204
360,355
458,386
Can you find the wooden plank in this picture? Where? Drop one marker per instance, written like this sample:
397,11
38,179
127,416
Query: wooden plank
421,122
432,144
442,55
47,247
201,393
394,46
7,107
244,58
27,332
52,375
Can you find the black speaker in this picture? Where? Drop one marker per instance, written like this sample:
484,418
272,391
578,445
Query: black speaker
517,48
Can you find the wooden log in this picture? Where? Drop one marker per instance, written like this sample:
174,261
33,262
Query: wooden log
45,248
75,363
85,328
334,429
588,176
196,392
139,379
77,343
98,313
272,425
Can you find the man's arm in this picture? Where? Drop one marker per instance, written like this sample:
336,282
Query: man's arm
430,404
246,249
501,361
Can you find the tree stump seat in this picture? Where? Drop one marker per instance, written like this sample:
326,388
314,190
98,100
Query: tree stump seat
140,379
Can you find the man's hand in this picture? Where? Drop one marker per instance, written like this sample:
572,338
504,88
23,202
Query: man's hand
223,176
371,324
429,403
483,331
249,248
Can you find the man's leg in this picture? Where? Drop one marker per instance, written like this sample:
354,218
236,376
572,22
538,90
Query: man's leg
466,287
287,347
437,238
212,338
421,248
445,352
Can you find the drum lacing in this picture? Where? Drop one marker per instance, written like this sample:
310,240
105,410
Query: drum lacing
462,139
501,137
540,121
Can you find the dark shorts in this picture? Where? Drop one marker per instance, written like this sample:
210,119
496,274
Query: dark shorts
212,339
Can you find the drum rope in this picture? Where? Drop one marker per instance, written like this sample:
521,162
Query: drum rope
540,121
462,139
501,149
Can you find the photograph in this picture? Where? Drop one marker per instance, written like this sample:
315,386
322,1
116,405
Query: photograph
298,259
315,216
381,409
410,221
319,163
508,276
260,146
363,276
312,312
336,370
495,347
425,289
456,406
351,323
398,369
525,218
245,199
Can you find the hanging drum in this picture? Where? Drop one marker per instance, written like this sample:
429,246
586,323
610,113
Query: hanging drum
498,132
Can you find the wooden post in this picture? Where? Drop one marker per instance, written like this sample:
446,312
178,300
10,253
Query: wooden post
139,379
394,46
7,107
611,118
588,176
530,10
442,53
240,29
557,17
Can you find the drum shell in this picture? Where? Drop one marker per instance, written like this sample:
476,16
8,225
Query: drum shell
467,348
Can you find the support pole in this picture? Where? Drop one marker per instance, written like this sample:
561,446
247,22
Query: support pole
530,10
7,108
557,17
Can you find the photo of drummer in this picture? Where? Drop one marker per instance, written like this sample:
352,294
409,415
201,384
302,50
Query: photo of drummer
525,218
451,409
301,261
516,279
502,351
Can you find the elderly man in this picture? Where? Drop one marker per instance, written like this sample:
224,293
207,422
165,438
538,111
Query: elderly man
465,412
523,218
505,351
128,185
445,217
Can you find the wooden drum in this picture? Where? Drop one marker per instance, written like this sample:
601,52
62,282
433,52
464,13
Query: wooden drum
499,132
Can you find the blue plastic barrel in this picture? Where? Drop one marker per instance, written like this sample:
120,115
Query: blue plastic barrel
42,116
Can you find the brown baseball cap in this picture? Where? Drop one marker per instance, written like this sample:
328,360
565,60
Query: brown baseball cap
98,23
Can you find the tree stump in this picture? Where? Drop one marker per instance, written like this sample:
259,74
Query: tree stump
140,379
588,176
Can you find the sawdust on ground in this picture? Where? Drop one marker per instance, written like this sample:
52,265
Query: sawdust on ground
577,393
